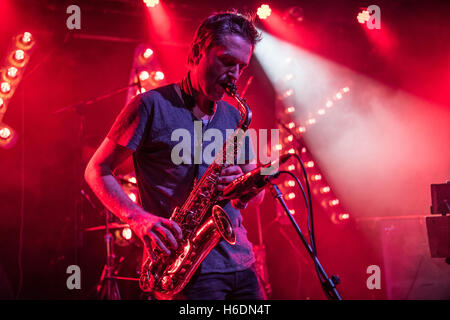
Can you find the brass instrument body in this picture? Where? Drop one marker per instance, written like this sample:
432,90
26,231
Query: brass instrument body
166,276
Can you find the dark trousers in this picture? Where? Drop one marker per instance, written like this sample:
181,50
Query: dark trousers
239,285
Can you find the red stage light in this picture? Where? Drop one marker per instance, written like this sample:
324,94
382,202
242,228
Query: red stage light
264,11
158,76
5,133
144,75
334,202
363,16
151,3
325,189
127,233
147,53
19,55
343,216
5,87
309,164
26,38
12,72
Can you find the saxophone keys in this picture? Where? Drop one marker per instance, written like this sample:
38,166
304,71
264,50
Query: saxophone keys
166,283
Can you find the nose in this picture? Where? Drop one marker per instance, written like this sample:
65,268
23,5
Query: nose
233,73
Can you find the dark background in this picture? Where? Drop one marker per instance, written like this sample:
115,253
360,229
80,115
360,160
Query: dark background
44,216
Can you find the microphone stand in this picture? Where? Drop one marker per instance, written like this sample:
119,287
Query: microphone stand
328,285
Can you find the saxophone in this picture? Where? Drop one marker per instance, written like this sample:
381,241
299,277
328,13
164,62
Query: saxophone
165,276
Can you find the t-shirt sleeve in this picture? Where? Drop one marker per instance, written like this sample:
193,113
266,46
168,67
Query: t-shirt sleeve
129,127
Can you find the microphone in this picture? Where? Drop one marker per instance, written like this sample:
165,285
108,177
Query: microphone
247,183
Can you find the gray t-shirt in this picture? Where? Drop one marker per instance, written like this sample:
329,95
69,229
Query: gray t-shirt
146,125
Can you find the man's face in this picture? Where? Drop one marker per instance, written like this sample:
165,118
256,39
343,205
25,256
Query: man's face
222,64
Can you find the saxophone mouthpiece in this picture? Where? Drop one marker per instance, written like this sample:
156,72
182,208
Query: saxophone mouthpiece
230,88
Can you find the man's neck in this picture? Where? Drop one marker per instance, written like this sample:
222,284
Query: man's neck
203,107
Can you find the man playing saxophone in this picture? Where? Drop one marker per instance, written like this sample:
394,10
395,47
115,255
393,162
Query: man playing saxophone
221,49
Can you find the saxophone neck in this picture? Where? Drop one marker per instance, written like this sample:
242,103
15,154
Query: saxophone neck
242,106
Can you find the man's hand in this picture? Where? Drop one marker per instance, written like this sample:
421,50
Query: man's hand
227,175
157,233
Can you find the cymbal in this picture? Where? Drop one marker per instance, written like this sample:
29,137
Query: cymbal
112,225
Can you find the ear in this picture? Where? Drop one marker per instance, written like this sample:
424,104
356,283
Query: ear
196,53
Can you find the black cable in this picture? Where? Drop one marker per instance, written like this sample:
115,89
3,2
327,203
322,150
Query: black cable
311,231
309,214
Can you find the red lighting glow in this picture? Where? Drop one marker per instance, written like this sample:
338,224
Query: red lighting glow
151,3
264,11
2,103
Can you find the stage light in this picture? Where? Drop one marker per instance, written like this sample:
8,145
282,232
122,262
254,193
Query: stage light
290,183
264,11
291,196
278,147
303,150
311,121
132,180
321,112
144,75
288,77
19,55
292,211
127,234
288,93
346,89
5,87
290,138
7,136
291,151
5,133
12,72
301,129
291,167
291,125
329,104
26,38
316,177
363,16
325,189
343,216
147,53
290,109
132,196
151,3
309,164
333,202
338,96
158,75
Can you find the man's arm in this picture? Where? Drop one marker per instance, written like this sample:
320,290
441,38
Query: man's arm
233,172
258,198
153,230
